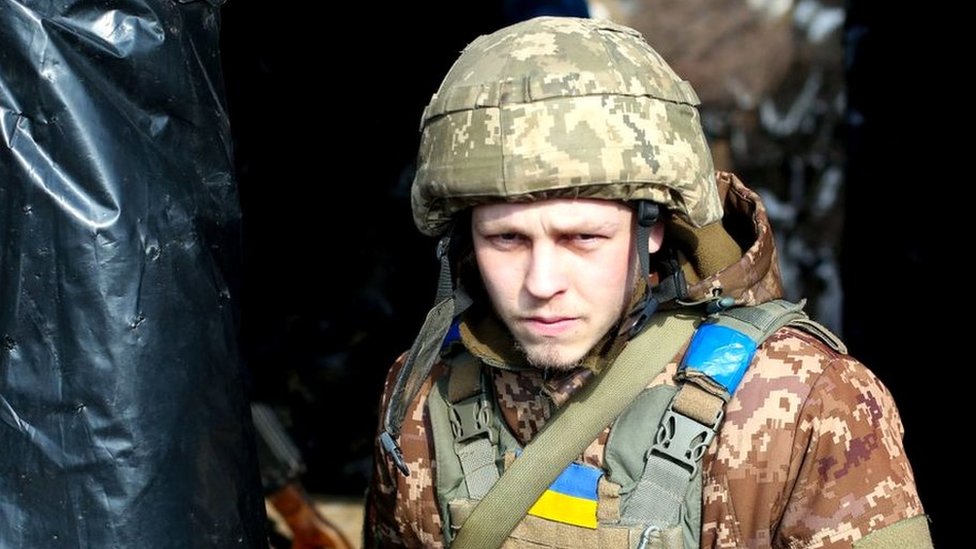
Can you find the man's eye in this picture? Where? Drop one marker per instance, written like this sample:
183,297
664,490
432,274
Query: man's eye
586,238
506,239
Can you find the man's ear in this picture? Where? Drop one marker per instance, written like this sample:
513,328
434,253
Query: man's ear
656,237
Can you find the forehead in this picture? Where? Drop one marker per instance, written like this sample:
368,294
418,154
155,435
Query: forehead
556,210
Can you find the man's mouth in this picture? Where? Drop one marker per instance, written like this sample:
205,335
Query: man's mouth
549,326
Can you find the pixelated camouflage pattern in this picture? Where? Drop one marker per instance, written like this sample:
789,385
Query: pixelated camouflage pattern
562,107
527,400
810,453
402,510
562,385
524,407
828,438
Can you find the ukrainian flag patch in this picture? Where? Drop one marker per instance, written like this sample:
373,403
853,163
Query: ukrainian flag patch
571,498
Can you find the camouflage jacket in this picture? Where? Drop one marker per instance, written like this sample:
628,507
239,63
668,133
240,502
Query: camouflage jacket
809,455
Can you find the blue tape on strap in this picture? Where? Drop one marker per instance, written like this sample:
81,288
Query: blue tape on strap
721,353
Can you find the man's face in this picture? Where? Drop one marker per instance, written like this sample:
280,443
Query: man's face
559,272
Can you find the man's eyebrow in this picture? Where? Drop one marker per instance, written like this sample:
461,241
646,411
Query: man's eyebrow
587,225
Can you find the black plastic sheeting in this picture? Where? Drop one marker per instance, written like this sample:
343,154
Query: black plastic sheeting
124,420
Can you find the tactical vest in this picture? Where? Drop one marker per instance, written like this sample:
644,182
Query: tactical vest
641,498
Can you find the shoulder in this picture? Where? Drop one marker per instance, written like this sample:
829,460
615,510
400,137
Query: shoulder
403,510
846,410
775,395
796,360
822,375
852,475
800,393
819,435
438,370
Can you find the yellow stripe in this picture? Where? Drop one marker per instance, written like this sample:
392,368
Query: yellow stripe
566,509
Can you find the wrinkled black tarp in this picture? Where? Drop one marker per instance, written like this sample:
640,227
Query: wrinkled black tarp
123,415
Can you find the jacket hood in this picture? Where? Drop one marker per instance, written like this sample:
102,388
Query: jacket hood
736,258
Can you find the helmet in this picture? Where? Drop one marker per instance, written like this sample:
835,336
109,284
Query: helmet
560,107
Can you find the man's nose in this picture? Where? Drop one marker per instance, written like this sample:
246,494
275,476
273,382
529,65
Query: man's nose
546,276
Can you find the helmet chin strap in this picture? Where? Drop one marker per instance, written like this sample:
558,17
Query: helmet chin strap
648,214
450,303
671,285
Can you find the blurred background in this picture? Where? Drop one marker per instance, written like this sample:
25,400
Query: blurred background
805,100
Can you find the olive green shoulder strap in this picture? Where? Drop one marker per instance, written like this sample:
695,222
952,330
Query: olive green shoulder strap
574,426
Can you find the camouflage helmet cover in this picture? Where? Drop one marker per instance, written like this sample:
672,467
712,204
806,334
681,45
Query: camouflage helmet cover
562,107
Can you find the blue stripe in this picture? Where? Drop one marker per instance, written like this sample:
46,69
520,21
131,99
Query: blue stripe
453,334
578,480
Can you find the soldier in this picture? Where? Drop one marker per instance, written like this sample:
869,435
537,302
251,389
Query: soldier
608,362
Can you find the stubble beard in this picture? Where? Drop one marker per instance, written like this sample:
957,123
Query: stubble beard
547,357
